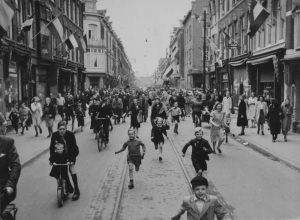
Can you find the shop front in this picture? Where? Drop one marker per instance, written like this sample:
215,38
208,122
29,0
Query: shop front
266,75
239,72
292,84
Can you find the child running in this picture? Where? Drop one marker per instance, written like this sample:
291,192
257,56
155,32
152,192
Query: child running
80,116
200,151
157,135
201,205
134,156
175,112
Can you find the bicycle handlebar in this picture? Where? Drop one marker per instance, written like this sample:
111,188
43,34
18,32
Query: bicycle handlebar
62,164
101,118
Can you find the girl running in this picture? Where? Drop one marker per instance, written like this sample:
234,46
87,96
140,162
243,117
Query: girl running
157,135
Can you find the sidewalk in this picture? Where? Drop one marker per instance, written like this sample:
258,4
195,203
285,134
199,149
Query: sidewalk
30,147
285,152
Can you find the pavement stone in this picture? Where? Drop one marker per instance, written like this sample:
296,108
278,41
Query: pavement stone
286,152
30,147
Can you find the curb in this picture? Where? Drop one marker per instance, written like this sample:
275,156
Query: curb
264,152
44,151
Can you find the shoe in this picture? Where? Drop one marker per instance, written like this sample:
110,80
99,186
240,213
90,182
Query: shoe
156,146
22,133
75,196
160,158
36,134
49,136
214,152
219,150
285,139
241,134
137,136
257,131
262,133
137,168
131,185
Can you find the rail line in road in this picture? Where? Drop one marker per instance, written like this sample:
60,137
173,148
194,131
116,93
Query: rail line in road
188,178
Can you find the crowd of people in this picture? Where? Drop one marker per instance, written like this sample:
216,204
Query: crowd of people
167,108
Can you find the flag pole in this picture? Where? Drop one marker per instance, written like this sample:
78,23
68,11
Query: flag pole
47,25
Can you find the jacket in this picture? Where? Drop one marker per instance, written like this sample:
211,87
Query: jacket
200,149
211,208
10,166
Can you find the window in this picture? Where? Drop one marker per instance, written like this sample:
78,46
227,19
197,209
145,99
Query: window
92,31
190,33
297,30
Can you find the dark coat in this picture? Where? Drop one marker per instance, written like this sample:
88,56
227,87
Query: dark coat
157,134
242,114
274,116
10,167
200,149
49,110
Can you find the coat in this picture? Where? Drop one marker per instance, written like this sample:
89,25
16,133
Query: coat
274,116
257,110
242,114
70,152
211,208
10,166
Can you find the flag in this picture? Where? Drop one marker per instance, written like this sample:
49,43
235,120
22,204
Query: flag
71,42
257,16
213,46
26,25
6,14
83,41
57,29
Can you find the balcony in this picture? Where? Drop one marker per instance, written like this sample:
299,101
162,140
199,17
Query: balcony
95,43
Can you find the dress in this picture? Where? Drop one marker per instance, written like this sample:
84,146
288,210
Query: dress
287,120
274,116
217,133
242,120
251,109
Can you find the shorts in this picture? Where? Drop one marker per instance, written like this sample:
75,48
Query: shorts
199,165
176,118
134,159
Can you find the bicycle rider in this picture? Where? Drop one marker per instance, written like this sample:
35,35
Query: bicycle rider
63,149
197,109
10,170
105,111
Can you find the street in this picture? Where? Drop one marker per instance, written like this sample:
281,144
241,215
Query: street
247,182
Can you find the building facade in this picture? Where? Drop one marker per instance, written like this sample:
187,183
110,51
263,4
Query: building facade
193,30
34,62
106,62
256,63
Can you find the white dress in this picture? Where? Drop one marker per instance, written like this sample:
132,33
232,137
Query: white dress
251,108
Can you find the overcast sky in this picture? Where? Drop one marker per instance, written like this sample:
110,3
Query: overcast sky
144,27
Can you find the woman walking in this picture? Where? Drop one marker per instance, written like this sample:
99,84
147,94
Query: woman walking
217,127
275,115
287,110
49,115
261,110
24,113
242,120
134,111
252,100
36,115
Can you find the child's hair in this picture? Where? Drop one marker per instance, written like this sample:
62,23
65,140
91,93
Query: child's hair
199,181
131,129
198,130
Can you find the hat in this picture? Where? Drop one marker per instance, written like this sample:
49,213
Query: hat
61,123
199,181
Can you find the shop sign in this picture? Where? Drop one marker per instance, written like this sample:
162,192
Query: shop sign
12,69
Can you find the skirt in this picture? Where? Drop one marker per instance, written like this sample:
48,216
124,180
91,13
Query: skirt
261,119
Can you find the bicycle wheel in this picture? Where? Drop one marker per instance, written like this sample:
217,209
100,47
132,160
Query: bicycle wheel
60,196
99,142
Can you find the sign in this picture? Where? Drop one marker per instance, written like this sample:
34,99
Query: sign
12,67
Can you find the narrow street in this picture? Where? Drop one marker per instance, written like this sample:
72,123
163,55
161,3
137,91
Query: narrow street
244,180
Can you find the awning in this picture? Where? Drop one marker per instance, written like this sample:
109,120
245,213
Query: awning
261,60
238,63
168,72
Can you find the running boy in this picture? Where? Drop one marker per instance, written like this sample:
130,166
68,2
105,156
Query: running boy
175,112
134,156
201,205
200,151
157,135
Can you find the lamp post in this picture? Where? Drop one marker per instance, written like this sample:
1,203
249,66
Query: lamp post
204,50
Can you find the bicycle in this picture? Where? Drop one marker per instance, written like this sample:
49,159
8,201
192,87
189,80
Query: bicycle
61,185
100,135
10,210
